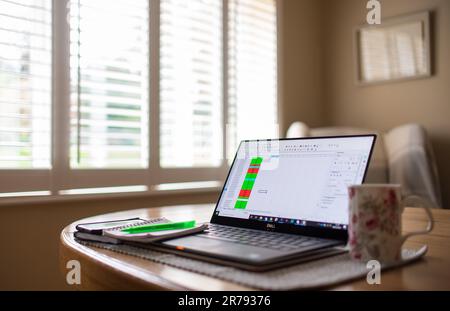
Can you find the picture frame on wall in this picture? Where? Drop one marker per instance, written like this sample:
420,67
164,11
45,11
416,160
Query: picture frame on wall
398,49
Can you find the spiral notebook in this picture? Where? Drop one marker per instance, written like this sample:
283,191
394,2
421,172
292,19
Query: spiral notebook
147,237
115,235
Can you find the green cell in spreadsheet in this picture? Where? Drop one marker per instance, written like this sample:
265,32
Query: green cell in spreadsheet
248,185
256,161
251,175
240,204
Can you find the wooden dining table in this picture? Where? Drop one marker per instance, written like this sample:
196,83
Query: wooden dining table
102,269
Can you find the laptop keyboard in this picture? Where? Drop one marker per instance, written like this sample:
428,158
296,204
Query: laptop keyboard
271,240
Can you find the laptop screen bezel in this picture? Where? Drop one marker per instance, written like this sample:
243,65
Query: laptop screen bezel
338,234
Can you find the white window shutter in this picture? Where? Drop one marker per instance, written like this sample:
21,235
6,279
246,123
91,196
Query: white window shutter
25,84
109,82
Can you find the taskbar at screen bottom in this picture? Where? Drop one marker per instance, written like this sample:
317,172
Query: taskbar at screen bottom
297,222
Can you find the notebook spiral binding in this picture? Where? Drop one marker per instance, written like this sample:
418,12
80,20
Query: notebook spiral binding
142,223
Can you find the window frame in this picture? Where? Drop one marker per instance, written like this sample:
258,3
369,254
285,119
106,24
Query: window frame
61,177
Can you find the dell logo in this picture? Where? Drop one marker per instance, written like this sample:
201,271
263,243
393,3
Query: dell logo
270,226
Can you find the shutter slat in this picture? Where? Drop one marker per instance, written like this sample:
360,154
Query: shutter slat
14,62
21,34
27,4
45,48
10,18
10,74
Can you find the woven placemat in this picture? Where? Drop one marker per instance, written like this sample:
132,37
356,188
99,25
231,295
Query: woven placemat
315,274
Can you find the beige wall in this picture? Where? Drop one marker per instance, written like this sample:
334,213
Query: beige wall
383,107
302,62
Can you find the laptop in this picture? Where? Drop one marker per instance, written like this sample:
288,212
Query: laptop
284,201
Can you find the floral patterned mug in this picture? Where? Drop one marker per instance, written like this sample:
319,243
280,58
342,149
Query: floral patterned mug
375,230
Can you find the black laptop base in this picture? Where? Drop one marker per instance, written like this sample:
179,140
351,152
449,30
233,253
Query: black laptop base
249,266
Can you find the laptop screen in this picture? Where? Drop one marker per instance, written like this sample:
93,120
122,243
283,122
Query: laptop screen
300,182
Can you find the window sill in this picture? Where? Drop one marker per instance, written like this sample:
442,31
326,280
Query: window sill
137,191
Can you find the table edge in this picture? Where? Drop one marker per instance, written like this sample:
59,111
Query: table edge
90,256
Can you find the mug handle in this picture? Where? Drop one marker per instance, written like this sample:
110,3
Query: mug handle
426,205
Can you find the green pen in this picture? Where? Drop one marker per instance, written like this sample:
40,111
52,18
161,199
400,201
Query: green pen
161,227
